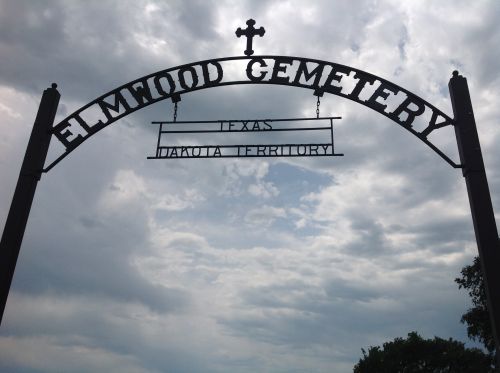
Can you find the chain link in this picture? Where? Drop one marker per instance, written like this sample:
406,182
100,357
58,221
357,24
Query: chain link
175,112
317,107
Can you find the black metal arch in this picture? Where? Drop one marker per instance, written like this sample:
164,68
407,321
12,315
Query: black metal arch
318,75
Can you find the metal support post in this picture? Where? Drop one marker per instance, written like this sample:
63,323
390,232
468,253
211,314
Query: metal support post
30,173
479,197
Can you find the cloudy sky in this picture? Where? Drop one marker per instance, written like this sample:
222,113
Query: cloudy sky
239,265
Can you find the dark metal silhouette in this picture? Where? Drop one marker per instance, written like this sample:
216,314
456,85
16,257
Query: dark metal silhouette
313,74
481,207
250,32
246,127
31,170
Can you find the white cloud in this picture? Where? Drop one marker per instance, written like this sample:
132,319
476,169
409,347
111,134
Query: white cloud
264,215
263,189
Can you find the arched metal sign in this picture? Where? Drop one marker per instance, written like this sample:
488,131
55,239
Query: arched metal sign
396,103
317,75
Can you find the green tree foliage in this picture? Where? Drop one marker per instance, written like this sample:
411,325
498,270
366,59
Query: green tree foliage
476,318
415,354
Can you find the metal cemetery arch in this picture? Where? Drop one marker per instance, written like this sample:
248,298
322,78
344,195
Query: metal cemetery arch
266,69
320,76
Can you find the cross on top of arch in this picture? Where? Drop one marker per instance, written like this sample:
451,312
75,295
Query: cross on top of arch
250,32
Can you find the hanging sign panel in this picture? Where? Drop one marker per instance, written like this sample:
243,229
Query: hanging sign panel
245,138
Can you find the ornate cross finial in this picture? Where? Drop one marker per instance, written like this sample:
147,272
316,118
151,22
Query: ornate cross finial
250,32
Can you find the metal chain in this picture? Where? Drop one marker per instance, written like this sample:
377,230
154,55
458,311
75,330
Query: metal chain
317,107
175,112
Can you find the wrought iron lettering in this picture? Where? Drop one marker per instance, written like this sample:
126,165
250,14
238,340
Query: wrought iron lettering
405,108
303,71
161,77
334,76
244,128
279,74
206,73
383,91
141,92
319,76
257,125
245,151
249,70
64,133
433,125
120,104
193,76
